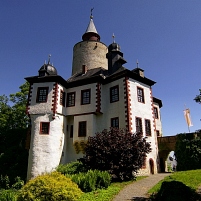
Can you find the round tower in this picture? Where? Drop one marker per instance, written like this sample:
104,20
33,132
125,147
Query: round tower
89,52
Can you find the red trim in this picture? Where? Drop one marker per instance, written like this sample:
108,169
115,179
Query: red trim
55,99
98,97
127,98
29,98
41,126
152,107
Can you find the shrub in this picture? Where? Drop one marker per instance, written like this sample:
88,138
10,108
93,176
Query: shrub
174,191
50,187
72,168
8,195
18,183
117,151
188,151
91,180
4,182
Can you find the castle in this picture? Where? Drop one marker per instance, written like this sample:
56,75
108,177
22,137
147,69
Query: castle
100,94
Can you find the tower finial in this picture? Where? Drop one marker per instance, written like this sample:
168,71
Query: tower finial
113,36
91,13
137,63
49,58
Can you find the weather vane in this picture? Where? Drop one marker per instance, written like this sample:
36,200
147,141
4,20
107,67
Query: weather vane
91,13
113,36
49,58
137,63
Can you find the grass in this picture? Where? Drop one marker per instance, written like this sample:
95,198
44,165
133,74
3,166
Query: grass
191,178
107,194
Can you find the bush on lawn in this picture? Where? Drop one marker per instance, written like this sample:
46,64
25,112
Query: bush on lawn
117,151
91,180
8,195
72,168
53,186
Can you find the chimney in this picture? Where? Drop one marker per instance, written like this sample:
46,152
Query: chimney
84,69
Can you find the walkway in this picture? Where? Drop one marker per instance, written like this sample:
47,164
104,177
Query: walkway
137,191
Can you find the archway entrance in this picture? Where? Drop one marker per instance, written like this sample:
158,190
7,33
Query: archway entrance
151,165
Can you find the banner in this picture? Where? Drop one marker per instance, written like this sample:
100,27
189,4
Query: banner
188,117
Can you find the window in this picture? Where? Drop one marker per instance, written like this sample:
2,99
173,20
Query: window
71,99
138,123
85,96
62,98
155,112
157,133
148,127
82,130
44,127
115,122
71,131
114,94
140,94
42,94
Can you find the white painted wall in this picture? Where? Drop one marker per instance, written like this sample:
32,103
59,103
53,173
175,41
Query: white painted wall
45,150
41,108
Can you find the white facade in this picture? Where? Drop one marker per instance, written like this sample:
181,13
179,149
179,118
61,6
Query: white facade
64,113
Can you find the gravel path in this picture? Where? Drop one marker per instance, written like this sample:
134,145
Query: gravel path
137,191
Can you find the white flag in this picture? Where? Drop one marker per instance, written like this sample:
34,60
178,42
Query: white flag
188,117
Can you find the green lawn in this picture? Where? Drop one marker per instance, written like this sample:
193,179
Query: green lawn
106,194
183,183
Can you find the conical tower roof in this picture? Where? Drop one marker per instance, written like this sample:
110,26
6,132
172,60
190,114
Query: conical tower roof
91,32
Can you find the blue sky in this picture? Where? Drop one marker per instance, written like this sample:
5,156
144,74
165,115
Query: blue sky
165,37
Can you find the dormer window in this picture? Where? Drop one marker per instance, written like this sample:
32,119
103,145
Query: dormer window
42,94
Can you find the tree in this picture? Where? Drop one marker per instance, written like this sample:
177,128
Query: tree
117,151
198,98
13,130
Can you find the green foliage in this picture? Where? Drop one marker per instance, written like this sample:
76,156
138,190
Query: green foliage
91,180
14,117
50,187
13,156
176,185
72,168
13,129
106,194
188,151
8,195
18,183
117,151
4,182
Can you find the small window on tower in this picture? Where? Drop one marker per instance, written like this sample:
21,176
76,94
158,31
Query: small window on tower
155,112
44,127
85,96
42,94
138,123
62,98
71,99
115,122
114,94
82,129
148,127
140,95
